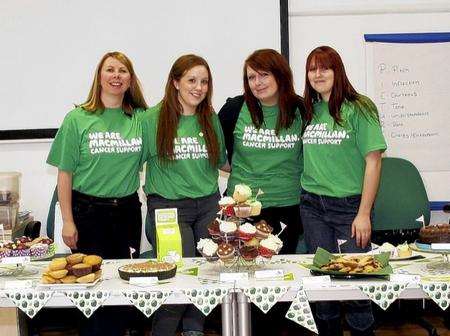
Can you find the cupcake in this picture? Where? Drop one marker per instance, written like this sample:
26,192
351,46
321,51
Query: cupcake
241,193
81,269
252,242
226,205
38,250
213,228
228,230
263,229
226,252
242,210
94,260
255,207
270,246
248,253
208,249
246,231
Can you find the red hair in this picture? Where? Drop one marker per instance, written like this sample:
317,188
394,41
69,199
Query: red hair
171,111
327,58
270,60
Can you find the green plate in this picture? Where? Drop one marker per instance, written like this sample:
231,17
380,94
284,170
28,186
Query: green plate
323,257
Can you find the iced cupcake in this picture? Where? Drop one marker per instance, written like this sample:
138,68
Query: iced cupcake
242,210
246,231
208,249
248,253
270,246
228,230
255,208
213,229
226,205
226,252
241,193
263,229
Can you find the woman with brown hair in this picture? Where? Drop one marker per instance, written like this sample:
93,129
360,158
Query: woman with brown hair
184,150
98,154
262,132
342,147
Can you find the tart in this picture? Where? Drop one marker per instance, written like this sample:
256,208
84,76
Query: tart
161,270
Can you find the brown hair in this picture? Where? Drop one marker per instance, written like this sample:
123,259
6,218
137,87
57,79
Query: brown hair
133,97
288,101
171,110
328,58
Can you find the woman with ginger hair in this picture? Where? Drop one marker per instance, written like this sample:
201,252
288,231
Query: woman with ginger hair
342,147
184,150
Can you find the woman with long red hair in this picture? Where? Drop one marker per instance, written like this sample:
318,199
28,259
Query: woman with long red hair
184,150
262,132
342,147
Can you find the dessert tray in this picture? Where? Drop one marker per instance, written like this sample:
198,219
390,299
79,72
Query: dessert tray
37,249
236,241
444,264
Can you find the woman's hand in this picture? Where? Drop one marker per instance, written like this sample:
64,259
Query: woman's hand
361,230
70,235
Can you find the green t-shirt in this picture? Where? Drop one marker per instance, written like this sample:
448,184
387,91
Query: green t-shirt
334,156
263,160
189,175
103,151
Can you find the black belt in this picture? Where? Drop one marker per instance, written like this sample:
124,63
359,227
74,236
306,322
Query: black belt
111,201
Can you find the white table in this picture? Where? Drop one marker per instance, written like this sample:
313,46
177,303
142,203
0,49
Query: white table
235,306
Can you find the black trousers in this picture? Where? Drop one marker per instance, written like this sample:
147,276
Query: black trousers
289,215
107,227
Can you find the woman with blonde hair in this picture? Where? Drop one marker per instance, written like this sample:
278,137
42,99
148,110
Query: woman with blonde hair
184,150
98,152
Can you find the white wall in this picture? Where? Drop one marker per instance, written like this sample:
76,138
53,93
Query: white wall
342,24
50,49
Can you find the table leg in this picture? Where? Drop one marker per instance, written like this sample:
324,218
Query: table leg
227,315
244,315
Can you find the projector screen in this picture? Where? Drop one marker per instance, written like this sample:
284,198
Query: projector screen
50,48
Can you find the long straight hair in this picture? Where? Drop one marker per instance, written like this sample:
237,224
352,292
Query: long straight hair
133,97
171,110
270,60
327,58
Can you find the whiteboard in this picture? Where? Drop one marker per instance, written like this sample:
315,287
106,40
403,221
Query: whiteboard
409,84
50,48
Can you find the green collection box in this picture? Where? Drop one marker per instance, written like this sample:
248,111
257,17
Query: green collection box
169,247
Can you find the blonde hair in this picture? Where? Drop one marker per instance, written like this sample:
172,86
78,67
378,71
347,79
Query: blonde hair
133,97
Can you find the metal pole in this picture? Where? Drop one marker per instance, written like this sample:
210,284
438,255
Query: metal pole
235,316
227,315
244,314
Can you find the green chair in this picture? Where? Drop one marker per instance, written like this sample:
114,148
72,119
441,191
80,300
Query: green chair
400,201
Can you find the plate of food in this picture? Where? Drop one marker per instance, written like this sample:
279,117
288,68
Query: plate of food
399,252
75,270
350,266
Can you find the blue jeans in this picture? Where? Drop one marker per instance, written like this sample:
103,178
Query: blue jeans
194,215
325,220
